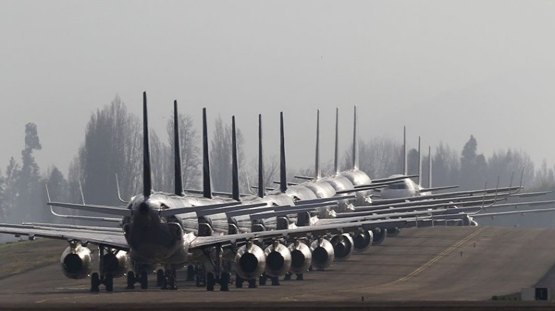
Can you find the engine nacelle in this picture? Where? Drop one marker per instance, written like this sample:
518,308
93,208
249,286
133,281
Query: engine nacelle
301,257
362,239
379,235
322,254
116,263
342,246
76,261
278,259
250,261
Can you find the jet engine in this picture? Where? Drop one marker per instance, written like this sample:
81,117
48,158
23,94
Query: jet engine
278,259
116,263
301,257
379,235
76,261
342,246
322,254
362,239
250,261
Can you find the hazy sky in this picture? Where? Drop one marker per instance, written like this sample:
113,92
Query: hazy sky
446,69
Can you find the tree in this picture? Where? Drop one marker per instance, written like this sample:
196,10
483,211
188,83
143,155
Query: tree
220,157
445,166
57,187
190,151
510,164
11,187
379,157
29,190
473,166
112,145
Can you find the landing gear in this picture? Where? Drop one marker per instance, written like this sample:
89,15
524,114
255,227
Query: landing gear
262,280
190,273
160,278
95,283
167,279
143,279
210,281
98,279
300,277
238,281
219,273
252,283
275,281
131,280
225,277
287,276
200,276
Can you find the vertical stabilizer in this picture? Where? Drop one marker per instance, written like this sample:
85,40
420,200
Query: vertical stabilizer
355,141
260,159
429,166
206,179
147,180
177,152
234,163
282,168
419,163
317,172
336,151
405,169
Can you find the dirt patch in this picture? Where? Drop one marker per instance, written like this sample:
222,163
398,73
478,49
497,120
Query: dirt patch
21,256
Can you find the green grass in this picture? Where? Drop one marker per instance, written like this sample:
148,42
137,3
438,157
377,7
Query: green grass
17,257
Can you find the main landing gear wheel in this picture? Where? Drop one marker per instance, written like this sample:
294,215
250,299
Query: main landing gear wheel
238,281
109,282
224,281
95,283
252,283
131,280
160,279
210,281
143,279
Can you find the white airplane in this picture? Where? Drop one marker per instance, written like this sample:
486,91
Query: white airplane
153,234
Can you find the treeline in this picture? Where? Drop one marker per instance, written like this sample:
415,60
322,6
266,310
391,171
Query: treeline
113,147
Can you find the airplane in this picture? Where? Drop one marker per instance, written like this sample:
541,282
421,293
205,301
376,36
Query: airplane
152,235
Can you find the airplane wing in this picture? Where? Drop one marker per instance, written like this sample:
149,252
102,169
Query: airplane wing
101,238
205,241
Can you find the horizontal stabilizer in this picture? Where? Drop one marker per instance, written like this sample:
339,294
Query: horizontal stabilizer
120,211
438,188
192,209
388,179
539,210
320,200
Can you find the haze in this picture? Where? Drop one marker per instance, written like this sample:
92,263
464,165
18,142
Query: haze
446,69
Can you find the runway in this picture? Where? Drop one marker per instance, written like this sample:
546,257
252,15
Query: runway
422,266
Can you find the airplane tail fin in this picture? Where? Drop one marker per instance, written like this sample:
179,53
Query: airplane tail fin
234,163
177,152
260,160
206,179
336,150
317,172
429,167
282,168
419,163
355,141
147,179
405,168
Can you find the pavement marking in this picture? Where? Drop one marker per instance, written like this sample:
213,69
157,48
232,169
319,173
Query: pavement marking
444,253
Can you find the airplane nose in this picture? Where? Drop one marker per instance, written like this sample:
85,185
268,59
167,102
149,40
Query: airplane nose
143,209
